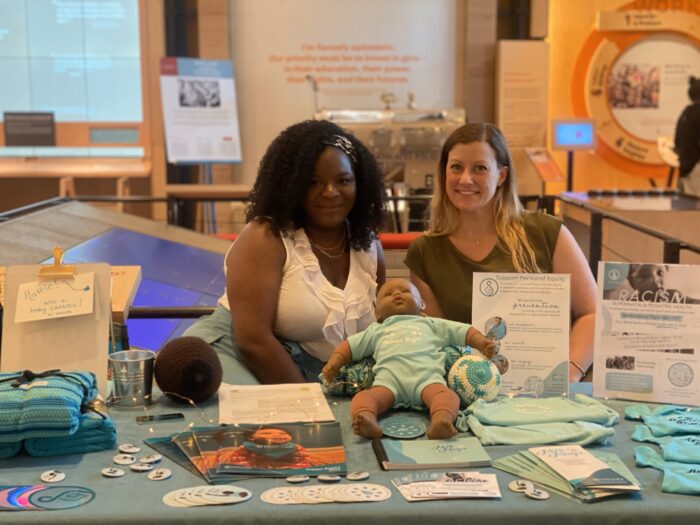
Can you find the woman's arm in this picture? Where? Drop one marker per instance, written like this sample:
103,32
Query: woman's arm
432,307
253,278
568,258
381,265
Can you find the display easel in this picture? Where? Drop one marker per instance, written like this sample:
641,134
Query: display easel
69,343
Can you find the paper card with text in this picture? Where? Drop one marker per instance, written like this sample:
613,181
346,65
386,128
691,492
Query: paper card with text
42,300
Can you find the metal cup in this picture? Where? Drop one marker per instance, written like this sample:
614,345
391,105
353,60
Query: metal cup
132,378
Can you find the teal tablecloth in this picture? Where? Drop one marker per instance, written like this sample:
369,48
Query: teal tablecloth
134,499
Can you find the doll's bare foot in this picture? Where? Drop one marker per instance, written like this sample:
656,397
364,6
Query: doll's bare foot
441,425
365,424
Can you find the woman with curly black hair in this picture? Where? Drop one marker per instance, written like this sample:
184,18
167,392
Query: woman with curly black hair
303,273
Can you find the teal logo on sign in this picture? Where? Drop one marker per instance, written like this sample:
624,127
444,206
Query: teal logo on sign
488,287
614,275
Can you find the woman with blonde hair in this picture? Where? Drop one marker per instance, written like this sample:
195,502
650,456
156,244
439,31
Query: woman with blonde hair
477,224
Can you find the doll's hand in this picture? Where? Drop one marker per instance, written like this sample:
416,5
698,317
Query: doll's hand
329,373
490,348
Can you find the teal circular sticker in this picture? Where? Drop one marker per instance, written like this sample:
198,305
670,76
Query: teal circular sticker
403,427
60,497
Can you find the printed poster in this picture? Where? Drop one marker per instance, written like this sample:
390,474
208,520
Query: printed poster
647,332
529,316
199,109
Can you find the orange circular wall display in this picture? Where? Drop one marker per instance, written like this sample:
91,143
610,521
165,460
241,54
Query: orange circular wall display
631,77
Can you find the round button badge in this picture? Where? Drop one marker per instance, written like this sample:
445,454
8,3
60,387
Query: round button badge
151,458
520,485
124,459
328,478
111,472
128,448
160,474
297,479
52,476
357,476
537,494
141,467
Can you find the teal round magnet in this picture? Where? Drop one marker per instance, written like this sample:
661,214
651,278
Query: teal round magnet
403,427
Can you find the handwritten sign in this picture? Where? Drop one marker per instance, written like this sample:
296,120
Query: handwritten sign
41,300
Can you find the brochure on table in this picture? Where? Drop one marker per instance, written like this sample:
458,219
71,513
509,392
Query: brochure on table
529,315
647,332
200,111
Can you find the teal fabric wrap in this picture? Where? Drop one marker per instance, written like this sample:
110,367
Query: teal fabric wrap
94,433
45,406
7,450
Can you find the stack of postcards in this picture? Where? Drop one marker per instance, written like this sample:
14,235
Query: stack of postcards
572,471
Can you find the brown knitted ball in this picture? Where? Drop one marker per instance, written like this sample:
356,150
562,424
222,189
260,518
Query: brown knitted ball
187,368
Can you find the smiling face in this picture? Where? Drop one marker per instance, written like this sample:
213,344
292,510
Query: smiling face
332,191
397,297
472,175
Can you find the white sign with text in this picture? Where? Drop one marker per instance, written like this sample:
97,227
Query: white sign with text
529,315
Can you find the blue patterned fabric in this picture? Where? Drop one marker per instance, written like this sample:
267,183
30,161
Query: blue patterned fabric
43,406
7,450
95,433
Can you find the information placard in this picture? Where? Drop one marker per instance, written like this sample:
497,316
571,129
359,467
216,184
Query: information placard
199,108
529,315
647,332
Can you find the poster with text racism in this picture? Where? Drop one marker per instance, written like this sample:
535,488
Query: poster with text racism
199,110
647,332
528,314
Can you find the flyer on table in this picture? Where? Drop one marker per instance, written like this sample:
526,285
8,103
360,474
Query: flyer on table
200,110
647,332
528,314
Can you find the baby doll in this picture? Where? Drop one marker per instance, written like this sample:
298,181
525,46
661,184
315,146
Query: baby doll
409,369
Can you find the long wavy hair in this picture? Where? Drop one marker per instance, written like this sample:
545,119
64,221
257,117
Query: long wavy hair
508,212
287,168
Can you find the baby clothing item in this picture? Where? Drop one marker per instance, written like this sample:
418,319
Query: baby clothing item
683,449
94,433
666,420
679,478
406,349
508,412
574,433
359,375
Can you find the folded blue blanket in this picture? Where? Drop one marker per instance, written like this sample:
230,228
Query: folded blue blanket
43,405
7,450
95,433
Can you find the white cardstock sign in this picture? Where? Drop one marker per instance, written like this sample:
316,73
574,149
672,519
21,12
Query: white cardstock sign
40,300
528,314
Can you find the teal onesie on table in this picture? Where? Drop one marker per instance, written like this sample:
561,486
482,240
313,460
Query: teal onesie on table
406,349
666,420
684,449
679,478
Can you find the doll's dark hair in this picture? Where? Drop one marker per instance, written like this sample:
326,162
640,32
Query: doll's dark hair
694,88
288,166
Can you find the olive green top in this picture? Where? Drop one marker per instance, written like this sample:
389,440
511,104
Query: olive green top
448,271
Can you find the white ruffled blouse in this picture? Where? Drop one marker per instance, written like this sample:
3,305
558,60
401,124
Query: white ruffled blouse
311,310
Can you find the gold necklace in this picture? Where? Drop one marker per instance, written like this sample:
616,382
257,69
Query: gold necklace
327,251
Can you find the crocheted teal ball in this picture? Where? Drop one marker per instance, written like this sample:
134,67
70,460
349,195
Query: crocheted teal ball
474,377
